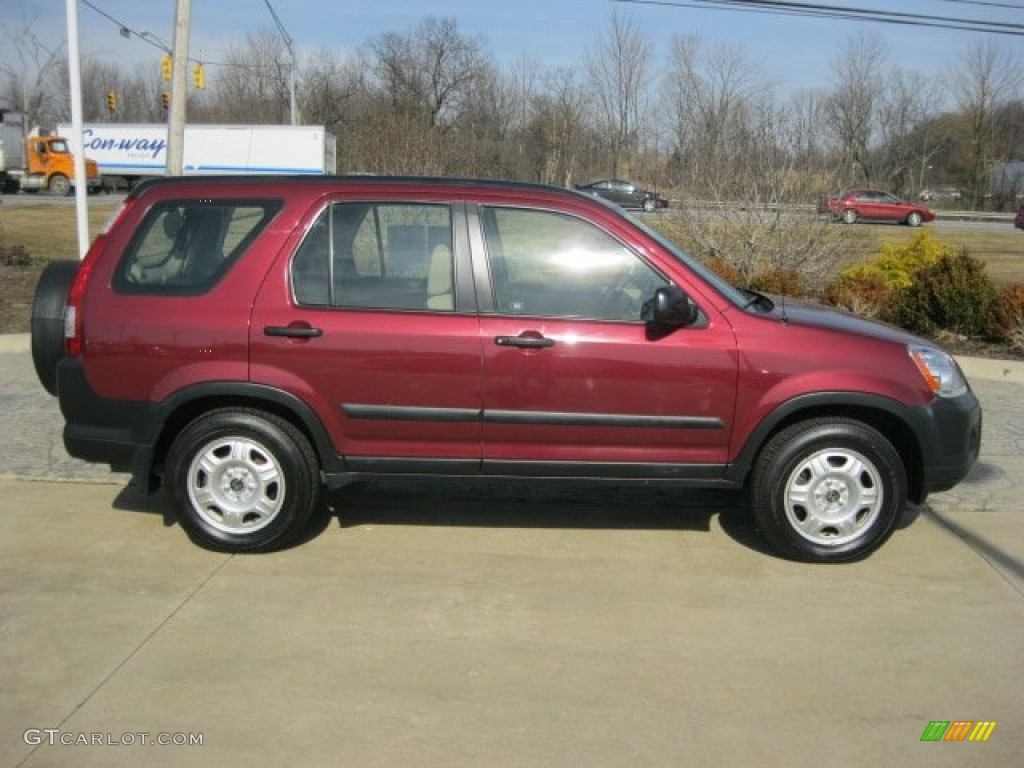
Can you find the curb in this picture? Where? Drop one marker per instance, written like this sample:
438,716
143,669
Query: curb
15,342
991,369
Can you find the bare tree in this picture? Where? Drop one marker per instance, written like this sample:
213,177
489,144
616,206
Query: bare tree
986,79
327,87
619,72
33,73
557,130
252,85
853,103
710,99
423,84
907,147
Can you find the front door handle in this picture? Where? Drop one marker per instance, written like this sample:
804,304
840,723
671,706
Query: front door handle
293,331
524,341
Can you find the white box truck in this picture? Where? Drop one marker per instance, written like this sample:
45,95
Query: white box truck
129,152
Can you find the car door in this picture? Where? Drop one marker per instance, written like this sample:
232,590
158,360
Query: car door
575,381
366,322
873,205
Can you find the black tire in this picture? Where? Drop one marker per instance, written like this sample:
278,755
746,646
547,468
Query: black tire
828,490
47,321
243,480
60,185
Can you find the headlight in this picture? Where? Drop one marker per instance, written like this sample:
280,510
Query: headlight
939,371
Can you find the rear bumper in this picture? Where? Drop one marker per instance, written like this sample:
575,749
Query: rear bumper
98,429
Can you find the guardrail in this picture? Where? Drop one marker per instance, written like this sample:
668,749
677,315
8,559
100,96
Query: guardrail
940,214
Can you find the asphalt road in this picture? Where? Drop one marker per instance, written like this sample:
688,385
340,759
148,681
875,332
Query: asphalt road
453,624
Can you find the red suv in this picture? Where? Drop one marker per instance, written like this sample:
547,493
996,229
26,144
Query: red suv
251,342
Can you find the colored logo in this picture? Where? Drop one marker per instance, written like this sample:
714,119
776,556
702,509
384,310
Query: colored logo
958,730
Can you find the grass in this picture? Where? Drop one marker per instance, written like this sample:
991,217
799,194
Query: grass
46,230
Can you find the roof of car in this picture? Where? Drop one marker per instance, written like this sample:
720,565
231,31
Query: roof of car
361,179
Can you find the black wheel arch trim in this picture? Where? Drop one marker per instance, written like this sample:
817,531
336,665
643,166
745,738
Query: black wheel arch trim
181,407
133,435
913,429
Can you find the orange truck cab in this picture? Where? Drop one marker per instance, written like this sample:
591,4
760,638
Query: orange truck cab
51,166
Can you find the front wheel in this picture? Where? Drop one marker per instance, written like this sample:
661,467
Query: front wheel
914,219
828,490
60,186
243,480
650,204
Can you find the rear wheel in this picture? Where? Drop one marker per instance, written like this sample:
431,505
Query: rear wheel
243,480
47,321
828,490
849,216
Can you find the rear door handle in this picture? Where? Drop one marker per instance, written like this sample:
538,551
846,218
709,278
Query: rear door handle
295,331
524,341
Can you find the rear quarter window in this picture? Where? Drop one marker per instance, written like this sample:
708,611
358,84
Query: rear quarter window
183,247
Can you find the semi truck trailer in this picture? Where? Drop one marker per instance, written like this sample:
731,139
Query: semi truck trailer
129,152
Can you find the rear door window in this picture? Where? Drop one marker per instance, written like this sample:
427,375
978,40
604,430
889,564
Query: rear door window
185,247
394,256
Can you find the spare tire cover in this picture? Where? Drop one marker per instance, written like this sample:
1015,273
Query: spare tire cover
47,324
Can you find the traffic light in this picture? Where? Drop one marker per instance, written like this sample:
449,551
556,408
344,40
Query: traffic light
165,99
165,68
198,76
111,100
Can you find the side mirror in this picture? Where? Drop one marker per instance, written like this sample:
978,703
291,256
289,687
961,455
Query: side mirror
670,306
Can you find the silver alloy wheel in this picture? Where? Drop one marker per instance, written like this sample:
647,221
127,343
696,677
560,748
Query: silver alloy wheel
833,496
914,219
849,216
236,485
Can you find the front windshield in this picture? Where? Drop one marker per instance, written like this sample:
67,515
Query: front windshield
729,291
59,146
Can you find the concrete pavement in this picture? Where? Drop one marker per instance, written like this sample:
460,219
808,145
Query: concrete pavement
453,624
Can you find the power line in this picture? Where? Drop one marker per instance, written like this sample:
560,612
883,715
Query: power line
817,10
126,31
280,26
145,36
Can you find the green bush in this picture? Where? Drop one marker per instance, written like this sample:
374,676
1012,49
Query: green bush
896,264
955,294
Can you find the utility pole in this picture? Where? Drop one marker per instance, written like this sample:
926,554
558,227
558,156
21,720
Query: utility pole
179,89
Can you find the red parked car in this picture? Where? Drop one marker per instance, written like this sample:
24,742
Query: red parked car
855,205
251,342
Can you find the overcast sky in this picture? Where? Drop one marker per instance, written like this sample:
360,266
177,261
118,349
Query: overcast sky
794,52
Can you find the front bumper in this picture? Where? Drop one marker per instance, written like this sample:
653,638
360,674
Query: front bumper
950,430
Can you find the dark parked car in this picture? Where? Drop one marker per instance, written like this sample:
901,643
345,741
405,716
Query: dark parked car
874,205
625,193
251,342
1019,221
